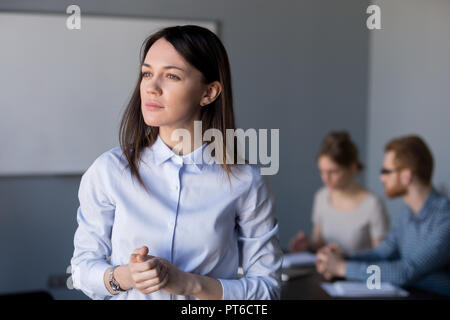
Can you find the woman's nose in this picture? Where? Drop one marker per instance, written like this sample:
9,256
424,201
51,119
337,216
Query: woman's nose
153,87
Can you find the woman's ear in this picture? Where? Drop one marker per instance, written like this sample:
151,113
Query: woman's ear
211,93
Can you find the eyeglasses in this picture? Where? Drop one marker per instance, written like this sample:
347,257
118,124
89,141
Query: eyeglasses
385,171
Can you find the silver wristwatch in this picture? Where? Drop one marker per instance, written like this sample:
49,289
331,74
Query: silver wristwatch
113,283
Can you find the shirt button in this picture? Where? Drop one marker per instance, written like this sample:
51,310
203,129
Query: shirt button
170,224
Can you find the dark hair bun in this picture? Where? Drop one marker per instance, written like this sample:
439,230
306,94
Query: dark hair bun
340,148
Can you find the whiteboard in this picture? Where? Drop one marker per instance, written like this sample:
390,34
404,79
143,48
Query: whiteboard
62,92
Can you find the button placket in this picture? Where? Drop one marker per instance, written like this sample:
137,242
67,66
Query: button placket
171,223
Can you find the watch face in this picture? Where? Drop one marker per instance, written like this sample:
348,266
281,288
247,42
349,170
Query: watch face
113,285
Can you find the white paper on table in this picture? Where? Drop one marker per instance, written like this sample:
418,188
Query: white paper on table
355,289
301,259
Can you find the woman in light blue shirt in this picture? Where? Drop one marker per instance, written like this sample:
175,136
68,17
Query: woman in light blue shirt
159,219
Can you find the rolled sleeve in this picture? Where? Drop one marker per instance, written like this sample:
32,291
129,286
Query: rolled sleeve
429,257
259,247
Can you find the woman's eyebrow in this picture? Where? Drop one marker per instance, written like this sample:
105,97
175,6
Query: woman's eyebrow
166,67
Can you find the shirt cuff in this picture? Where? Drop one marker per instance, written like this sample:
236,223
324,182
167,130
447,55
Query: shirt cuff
96,278
231,289
356,270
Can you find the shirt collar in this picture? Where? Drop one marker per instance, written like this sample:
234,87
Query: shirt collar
428,205
161,153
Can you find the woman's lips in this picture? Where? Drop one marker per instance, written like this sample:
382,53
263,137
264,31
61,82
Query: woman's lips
153,106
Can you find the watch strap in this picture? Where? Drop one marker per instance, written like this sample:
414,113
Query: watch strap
113,282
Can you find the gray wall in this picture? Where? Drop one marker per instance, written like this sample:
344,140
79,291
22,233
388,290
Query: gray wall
410,84
300,66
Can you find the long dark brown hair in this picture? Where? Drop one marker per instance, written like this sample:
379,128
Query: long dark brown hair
203,50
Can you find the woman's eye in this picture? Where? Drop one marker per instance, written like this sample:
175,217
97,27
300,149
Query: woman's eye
173,77
146,74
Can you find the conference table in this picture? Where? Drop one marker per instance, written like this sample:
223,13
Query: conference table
307,287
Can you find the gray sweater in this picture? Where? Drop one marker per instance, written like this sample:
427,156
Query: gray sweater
352,231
